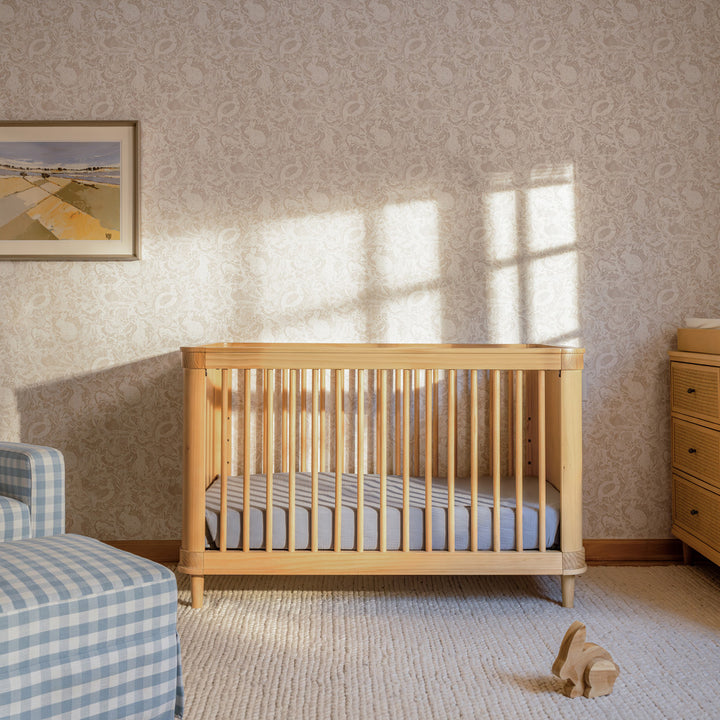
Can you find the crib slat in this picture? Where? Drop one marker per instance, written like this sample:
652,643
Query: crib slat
303,421
291,461
416,428
219,436
224,458
436,422
360,459
398,421
378,451
211,409
519,376
452,399
322,466
495,438
382,413
269,458
428,458
246,461
406,461
284,438
510,433
314,462
541,460
339,455
473,460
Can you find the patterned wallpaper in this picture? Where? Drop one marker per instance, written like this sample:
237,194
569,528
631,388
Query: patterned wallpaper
382,170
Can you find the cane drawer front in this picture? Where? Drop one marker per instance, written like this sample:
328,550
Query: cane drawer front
698,511
696,451
696,390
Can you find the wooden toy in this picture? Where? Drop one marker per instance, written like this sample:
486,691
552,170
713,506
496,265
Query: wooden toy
587,668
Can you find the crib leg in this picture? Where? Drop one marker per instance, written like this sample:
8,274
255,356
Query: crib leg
197,586
568,590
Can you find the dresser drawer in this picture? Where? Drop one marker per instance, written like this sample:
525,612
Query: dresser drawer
696,451
697,510
695,390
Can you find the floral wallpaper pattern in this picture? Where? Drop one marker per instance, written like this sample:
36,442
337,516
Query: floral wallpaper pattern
381,170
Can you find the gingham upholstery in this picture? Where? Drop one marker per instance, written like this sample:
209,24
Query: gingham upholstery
35,476
14,519
86,632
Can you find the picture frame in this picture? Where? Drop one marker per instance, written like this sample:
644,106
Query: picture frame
69,190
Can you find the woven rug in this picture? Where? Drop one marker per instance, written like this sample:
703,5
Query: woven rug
449,647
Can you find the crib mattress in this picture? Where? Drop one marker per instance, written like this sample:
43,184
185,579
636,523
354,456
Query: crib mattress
371,526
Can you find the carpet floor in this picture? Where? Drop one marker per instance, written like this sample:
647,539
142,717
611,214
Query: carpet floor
448,647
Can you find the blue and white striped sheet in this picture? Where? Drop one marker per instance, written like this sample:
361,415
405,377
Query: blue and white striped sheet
87,632
35,475
394,512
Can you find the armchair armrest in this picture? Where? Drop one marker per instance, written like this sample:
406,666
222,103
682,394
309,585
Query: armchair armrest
35,475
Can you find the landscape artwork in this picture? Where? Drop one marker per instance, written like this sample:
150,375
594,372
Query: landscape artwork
63,190
62,194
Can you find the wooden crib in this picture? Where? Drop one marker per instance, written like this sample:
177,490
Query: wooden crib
426,452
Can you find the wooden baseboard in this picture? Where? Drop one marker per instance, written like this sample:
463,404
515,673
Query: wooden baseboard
160,551
632,551
597,551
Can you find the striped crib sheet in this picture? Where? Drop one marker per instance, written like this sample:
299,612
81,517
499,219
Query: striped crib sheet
371,533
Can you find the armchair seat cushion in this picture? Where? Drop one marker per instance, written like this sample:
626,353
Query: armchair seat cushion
14,519
86,631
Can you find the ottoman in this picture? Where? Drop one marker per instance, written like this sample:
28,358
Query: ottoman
86,631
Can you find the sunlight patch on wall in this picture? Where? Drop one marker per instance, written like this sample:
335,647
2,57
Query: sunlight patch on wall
311,271
504,290
371,276
532,251
408,270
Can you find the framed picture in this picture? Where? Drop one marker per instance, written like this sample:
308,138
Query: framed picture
69,190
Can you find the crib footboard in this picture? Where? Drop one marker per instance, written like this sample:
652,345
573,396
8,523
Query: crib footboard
382,459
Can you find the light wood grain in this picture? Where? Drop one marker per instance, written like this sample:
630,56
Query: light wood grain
247,405
269,455
387,356
292,435
339,454
451,434
415,562
224,458
360,459
374,372
586,668
314,461
518,459
495,441
428,458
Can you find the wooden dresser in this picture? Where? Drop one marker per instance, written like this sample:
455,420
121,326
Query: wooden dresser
695,405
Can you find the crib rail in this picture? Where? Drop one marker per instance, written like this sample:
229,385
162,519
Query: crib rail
424,411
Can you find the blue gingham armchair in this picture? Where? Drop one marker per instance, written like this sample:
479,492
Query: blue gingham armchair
86,630
32,491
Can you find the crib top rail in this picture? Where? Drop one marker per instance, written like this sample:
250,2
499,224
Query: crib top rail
370,356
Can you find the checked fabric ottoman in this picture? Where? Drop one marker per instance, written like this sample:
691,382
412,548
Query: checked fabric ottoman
86,631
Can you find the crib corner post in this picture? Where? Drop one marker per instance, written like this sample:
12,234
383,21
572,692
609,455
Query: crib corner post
570,436
194,457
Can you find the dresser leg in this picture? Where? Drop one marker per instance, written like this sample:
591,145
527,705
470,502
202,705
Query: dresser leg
687,554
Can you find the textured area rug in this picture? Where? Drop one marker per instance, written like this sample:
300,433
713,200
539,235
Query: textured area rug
449,647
